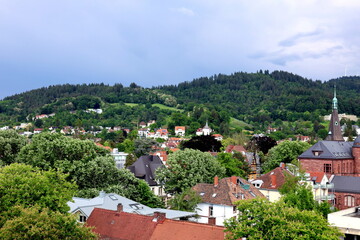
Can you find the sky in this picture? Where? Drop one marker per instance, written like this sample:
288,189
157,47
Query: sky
152,43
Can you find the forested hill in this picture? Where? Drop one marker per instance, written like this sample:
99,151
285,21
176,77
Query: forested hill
256,97
265,96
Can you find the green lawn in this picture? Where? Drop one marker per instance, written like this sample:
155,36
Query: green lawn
236,123
161,106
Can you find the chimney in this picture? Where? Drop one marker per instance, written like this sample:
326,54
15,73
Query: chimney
282,165
212,221
159,217
233,179
216,181
102,194
273,179
119,207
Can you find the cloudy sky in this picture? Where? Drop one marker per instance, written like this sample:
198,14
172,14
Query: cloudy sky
151,43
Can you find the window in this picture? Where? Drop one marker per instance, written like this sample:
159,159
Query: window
234,209
82,218
327,168
211,211
349,201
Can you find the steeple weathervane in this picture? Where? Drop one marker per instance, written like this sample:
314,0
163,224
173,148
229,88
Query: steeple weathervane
335,101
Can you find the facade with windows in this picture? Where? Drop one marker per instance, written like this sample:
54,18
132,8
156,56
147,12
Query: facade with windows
347,191
119,158
218,199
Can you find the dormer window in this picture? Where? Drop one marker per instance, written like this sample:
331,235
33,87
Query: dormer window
317,153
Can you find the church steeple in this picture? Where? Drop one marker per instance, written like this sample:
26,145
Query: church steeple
334,127
335,101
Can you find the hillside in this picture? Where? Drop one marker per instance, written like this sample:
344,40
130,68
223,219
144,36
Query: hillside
255,98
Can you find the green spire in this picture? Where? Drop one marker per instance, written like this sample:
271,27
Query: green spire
335,101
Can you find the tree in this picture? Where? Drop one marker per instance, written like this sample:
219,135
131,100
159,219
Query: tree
53,150
10,144
203,143
188,167
286,152
185,201
261,143
234,165
261,219
298,194
143,146
36,223
129,186
76,157
23,185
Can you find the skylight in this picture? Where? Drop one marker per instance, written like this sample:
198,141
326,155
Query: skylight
113,197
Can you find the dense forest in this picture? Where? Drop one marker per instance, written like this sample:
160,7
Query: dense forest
258,99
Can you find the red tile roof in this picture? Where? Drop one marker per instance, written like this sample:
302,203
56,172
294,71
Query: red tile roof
113,225
181,230
277,175
237,148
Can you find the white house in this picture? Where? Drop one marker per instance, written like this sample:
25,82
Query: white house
180,131
206,130
119,158
218,199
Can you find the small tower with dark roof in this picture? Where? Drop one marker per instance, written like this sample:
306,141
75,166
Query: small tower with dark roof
356,154
334,127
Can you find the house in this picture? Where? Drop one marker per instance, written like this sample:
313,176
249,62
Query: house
144,168
119,158
270,183
162,133
323,190
206,130
98,110
162,155
129,226
84,207
218,137
235,148
38,130
302,138
41,116
348,221
180,131
143,132
142,124
346,190
218,199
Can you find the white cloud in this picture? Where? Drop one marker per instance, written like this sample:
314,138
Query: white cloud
185,11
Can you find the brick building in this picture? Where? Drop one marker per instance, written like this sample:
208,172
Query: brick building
339,160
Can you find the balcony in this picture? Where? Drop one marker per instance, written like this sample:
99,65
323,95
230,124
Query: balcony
326,197
324,186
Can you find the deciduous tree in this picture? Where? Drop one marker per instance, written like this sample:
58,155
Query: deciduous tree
27,186
261,219
188,167
10,144
286,152
36,223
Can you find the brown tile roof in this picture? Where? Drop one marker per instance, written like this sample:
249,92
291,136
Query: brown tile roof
113,225
276,176
180,230
316,176
227,192
237,148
